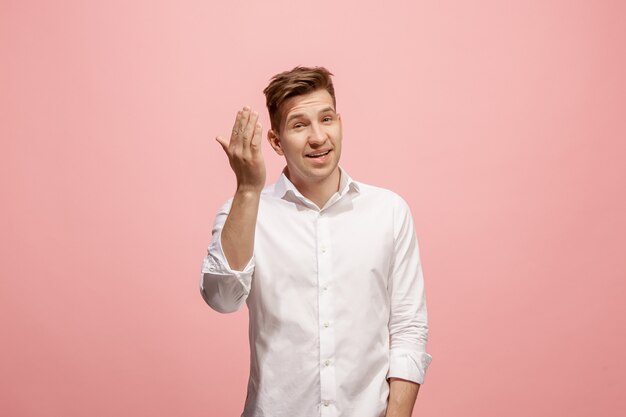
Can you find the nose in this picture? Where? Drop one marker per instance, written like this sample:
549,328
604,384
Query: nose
317,136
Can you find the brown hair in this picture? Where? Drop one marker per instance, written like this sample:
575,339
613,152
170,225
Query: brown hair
298,81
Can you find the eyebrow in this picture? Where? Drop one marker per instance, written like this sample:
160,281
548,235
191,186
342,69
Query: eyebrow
296,115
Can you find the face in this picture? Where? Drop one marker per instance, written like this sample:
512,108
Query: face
309,137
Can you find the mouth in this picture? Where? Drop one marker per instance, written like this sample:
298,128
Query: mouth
318,154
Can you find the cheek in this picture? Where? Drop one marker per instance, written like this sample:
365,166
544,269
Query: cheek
292,147
336,136
297,141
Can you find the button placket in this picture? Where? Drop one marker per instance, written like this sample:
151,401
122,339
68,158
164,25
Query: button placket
326,315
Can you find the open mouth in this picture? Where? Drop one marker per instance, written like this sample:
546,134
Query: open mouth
319,154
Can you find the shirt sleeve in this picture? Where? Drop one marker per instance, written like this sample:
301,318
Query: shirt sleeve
408,321
223,288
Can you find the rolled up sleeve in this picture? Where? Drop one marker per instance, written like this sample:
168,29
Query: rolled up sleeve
408,321
223,288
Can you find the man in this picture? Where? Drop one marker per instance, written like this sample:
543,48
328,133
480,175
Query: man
329,267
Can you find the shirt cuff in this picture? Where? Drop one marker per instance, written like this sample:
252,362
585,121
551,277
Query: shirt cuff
408,364
215,263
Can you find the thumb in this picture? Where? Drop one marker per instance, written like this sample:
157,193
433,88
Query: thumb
222,142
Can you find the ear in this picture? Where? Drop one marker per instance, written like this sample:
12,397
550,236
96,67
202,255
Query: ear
274,141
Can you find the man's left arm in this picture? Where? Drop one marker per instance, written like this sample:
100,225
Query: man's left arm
408,322
402,396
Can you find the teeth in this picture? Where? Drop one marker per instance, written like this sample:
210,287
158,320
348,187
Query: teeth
319,154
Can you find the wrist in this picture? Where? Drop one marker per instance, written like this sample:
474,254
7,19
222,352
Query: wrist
248,192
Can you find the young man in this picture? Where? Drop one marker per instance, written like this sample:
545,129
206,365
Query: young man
329,267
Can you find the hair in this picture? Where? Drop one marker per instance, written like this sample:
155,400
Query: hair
296,82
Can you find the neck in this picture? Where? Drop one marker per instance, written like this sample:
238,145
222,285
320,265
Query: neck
318,192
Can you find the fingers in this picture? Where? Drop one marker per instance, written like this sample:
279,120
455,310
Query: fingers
235,133
256,138
222,141
249,129
243,121
246,131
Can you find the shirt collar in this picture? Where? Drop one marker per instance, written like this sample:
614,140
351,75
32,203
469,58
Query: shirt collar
284,186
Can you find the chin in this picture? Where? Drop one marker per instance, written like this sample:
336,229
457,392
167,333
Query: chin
325,172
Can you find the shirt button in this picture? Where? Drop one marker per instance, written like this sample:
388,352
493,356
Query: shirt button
325,287
326,403
326,324
326,362
323,248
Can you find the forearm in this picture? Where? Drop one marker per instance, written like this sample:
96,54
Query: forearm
402,396
238,232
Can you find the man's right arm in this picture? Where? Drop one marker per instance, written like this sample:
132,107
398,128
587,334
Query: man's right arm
238,232
227,268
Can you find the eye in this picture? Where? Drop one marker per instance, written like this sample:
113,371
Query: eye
298,125
327,119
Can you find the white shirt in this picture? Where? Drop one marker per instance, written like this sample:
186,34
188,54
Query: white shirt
335,297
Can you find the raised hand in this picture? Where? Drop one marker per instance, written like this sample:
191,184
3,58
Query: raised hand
244,151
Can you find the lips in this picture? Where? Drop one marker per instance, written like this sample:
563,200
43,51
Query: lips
318,154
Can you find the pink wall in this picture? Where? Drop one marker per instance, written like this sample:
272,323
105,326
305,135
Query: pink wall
502,123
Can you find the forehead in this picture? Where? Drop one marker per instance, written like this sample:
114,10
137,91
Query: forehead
307,103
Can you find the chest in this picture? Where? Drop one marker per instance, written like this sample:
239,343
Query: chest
349,243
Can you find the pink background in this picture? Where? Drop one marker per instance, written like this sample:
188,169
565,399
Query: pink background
501,122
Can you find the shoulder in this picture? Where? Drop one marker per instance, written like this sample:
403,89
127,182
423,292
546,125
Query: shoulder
382,195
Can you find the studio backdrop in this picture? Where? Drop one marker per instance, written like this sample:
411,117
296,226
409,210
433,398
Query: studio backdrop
502,124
